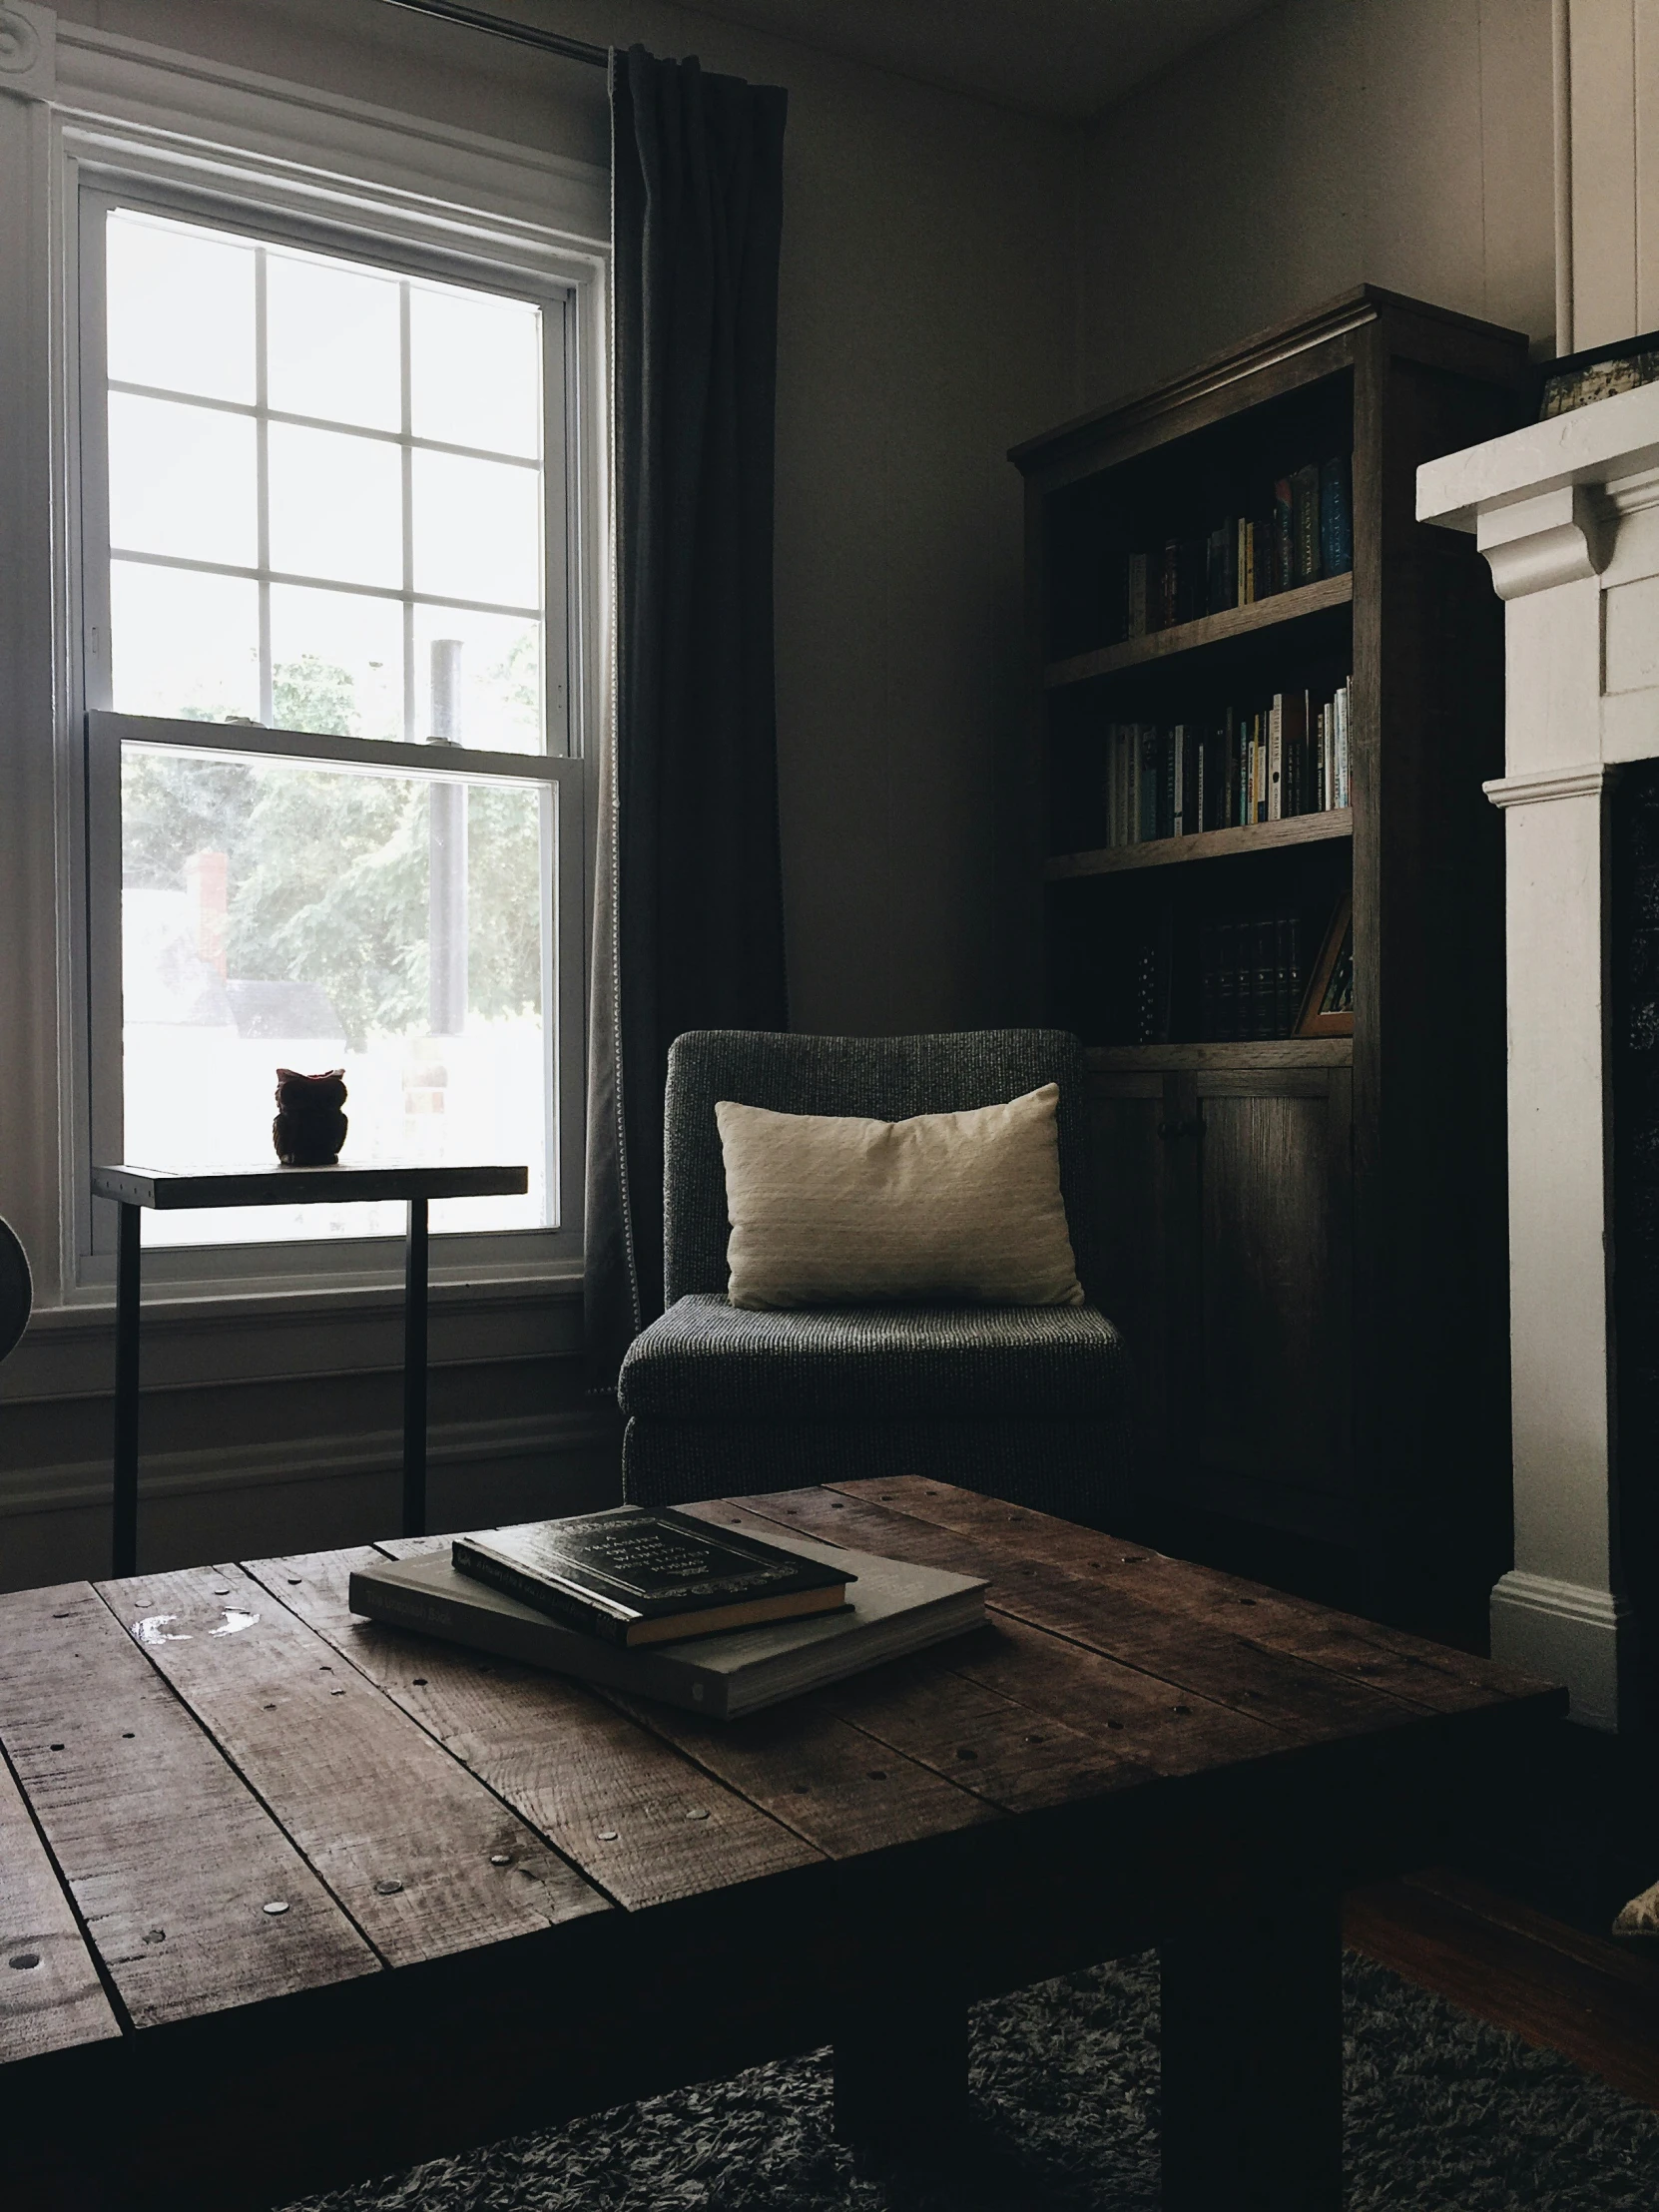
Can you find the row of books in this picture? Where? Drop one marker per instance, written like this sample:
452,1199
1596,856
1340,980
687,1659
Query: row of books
1251,976
663,1605
1303,532
1265,764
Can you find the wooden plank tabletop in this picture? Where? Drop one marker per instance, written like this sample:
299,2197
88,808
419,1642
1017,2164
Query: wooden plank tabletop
223,1793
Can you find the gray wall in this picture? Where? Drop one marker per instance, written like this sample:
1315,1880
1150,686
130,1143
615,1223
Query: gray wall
1321,144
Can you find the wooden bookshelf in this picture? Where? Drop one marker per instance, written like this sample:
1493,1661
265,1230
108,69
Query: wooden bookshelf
1294,605
1308,1252
1206,845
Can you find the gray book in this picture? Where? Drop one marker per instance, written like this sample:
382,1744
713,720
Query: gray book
893,1608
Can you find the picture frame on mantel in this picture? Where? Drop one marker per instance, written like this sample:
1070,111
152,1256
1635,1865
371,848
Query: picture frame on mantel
1328,1002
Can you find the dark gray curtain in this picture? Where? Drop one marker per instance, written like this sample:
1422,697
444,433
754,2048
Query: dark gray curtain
687,922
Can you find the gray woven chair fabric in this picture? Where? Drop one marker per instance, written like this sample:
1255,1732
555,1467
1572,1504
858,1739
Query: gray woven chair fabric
1025,1403
887,1078
706,1360
1076,1469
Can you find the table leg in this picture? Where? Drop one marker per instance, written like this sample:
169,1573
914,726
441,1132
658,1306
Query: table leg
1252,2059
414,1372
124,1535
901,2075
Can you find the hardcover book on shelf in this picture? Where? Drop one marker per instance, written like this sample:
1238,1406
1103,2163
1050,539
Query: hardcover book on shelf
894,1609
648,1575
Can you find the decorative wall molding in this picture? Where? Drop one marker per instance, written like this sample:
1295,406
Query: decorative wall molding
1585,781
1583,1637
79,1486
28,50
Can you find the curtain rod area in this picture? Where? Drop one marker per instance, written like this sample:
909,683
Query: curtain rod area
501,26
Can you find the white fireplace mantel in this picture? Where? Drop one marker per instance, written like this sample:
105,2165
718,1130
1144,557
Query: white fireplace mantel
1568,515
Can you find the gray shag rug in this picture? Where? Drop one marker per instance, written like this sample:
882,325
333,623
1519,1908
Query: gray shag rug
1444,2114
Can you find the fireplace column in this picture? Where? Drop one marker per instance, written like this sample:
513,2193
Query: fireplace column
1568,515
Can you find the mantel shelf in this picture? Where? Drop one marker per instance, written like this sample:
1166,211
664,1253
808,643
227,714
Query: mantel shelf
1209,845
1190,637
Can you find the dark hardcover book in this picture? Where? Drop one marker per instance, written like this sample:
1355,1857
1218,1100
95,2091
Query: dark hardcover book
1305,524
894,1609
1222,568
1114,598
1265,978
1209,1011
1336,517
1262,543
1284,563
1168,589
1137,595
647,1574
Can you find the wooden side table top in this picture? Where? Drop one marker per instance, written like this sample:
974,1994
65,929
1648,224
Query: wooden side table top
409,1896
269,1183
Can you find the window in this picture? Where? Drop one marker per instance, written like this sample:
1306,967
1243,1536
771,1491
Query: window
333,813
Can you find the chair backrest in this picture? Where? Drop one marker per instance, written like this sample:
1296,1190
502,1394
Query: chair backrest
887,1078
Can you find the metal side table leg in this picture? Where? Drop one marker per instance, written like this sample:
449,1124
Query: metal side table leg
124,1539
414,1373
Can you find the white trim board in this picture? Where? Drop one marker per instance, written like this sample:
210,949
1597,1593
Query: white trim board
1565,1632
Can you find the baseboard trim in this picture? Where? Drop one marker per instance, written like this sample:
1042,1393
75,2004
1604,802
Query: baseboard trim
74,1485
1572,1633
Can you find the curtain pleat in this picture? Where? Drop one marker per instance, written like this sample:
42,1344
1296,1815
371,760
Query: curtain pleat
688,917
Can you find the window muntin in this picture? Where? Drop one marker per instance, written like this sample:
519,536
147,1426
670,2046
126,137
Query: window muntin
329,486
322,430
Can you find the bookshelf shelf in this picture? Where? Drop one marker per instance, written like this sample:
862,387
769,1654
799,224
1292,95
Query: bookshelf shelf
1192,637
1307,1247
1233,1058
1209,845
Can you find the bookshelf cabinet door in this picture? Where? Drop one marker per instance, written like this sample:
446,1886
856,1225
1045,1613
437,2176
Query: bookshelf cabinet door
1270,1294
1133,1161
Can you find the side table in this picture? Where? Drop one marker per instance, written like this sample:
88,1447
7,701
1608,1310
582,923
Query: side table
172,1190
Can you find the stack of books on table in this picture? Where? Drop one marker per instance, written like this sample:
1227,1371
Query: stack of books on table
668,1606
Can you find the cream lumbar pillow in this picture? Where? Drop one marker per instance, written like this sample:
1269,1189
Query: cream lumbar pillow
834,1210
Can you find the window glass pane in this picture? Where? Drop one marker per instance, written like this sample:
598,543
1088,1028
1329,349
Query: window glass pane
477,530
182,481
495,684
332,342
276,915
337,663
180,307
475,369
336,507
183,644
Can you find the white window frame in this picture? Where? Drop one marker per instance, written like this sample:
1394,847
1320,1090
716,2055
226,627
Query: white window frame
434,201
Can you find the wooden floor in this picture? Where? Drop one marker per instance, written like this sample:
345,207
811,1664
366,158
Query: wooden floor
1592,1999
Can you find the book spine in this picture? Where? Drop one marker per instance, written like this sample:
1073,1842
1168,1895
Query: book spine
1283,541
1275,757
562,1607
1137,595
1305,524
1335,516
1178,763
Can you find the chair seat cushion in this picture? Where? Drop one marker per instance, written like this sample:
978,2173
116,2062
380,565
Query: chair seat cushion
707,1360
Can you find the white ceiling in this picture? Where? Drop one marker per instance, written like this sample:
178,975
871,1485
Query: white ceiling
1056,57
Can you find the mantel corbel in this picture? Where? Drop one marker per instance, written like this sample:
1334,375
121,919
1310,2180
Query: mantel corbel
1555,537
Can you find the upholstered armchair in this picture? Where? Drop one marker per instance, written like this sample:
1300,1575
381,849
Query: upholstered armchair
1025,1403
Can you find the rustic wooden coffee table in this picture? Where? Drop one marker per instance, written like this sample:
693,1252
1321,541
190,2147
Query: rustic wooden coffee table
286,1899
